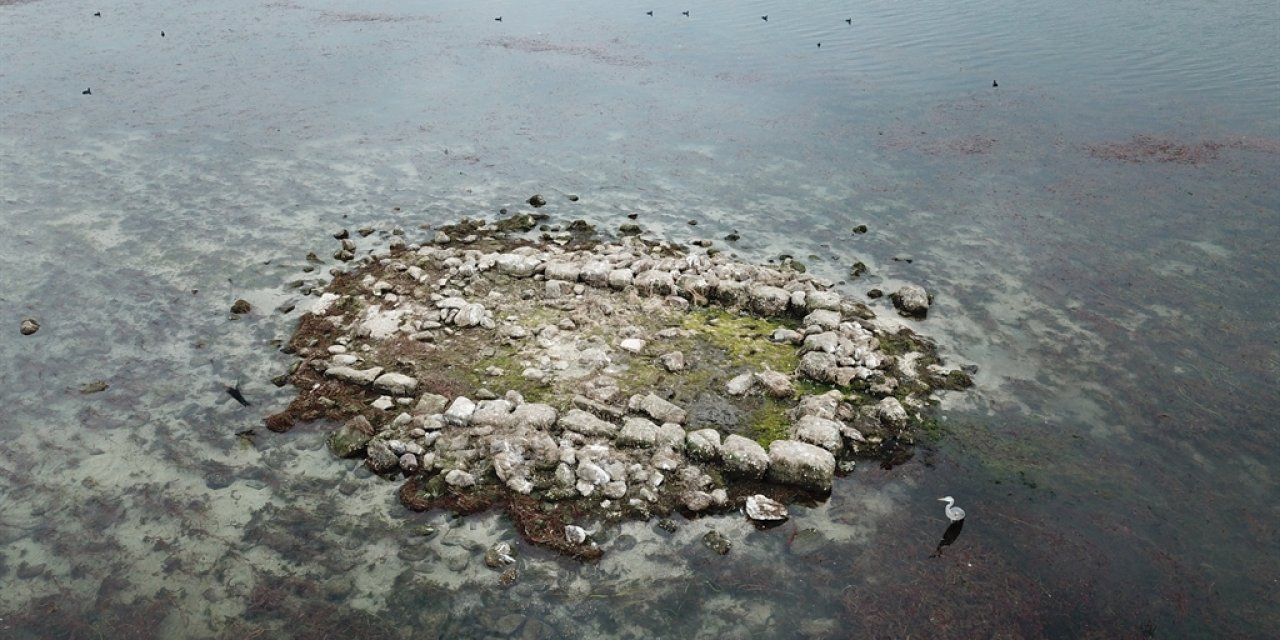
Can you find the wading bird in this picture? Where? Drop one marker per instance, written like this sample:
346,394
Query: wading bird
954,513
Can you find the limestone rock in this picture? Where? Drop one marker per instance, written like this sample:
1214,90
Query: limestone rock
765,509
637,432
460,411
801,464
774,383
459,478
769,301
740,385
354,376
819,431
911,300
534,415
891,413
673,361
585,423
380,458
632,345
744,457
396,384
349,440
703,445
657,408
29,326
696,500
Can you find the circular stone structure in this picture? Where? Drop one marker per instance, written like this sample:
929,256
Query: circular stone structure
572,380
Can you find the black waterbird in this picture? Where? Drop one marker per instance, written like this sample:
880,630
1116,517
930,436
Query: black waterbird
234,392
686,13
765,18
648,13
97,14
994,83
498,19
86,92
848,21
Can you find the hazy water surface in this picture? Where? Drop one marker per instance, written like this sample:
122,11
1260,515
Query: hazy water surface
1098,232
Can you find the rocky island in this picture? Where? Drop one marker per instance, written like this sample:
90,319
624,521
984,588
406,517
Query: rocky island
572,380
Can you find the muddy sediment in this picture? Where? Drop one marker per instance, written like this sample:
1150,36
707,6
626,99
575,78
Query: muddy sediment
570,380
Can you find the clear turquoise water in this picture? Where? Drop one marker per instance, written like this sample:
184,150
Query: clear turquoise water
1117,458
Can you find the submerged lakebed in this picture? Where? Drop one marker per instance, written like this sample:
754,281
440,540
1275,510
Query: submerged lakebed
572,381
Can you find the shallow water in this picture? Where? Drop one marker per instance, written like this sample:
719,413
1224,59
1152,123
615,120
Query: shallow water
1118,294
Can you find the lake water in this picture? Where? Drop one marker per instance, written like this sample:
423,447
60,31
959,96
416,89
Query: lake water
1099,234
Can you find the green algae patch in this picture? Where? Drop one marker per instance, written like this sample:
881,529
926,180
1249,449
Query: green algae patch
743,338
770,422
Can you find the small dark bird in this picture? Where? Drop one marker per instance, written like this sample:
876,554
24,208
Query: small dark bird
86,92
161,34
498,19
765,18
234,392
97,14
819,45
649,13
994,83
848,20
686,13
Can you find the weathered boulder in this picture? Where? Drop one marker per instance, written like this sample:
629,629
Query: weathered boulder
585,423
460,411
744,457
801,464
349,440
673,361
765,509
380,458
911,300
775,383
703,445
517,266
534,415
891,413
819,431
637,432
396,384
655,283
354,376
769,301
656,408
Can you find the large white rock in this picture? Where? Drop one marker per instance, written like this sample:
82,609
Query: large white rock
819,431
911,300
637,432
703,445
586,424
354,376
460,411
765,509
891,413
657,408
801,464
396,384
743,457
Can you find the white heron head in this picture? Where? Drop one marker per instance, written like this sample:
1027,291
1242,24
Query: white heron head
947,499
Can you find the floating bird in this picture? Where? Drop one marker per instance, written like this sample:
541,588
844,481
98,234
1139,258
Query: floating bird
848,21
498,19
765,18
994,83
161,34
649,13
819,45
97,14
686,13
954,513
86,92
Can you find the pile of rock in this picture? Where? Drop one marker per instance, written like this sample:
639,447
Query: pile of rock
573,323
